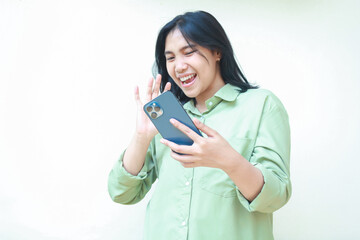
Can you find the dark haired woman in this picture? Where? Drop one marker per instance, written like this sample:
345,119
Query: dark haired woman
228,183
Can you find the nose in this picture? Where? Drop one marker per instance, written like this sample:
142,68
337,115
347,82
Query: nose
180,66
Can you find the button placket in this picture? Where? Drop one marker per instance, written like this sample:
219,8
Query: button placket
188,181
187,192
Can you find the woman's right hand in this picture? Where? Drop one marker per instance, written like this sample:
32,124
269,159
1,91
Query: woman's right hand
144,127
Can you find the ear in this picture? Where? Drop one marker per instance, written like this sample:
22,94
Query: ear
218,55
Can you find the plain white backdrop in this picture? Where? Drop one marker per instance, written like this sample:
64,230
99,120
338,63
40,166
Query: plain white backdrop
67,73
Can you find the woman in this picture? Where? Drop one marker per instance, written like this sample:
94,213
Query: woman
228,183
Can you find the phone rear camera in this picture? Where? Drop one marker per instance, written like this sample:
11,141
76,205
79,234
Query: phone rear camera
153,114
149,108
157,109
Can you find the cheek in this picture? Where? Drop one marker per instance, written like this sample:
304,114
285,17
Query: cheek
170,70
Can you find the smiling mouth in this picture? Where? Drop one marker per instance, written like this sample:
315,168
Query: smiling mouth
188,79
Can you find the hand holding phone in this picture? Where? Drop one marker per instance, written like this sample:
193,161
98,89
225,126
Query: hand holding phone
164,107
144,127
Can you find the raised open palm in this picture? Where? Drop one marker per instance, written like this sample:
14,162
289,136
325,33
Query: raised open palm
143,124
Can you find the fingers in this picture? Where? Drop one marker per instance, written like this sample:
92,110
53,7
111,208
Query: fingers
149,89
156,90
153,90
181,153
186,130
182,149
137,97
167,86
136,93
205,129
185,160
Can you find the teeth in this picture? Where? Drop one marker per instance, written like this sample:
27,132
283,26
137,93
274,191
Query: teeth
187,77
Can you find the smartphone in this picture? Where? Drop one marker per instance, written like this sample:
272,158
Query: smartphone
164,107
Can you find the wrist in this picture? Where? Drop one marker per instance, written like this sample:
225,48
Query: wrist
232,163
142,138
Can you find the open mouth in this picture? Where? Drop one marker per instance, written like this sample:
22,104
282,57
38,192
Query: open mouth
188,80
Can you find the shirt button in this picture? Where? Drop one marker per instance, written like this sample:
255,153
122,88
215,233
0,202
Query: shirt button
183,223
210,103
187,183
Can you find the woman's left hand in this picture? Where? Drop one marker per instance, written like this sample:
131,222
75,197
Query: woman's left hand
213,151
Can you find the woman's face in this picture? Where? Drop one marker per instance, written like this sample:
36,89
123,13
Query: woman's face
194,69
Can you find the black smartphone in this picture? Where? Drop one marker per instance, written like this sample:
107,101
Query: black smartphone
164,107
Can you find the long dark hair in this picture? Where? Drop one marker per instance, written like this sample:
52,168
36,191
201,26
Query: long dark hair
203,29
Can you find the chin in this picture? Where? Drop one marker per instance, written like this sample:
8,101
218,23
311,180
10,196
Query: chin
190,94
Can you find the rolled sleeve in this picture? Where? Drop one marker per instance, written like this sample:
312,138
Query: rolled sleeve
273,195
126,188
125,177
271,155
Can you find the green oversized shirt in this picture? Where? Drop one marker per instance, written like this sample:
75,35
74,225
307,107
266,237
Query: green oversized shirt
204,203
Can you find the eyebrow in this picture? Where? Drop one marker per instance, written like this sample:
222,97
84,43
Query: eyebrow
192,46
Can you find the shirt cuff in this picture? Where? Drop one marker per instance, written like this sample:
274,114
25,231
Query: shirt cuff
126,178
269,191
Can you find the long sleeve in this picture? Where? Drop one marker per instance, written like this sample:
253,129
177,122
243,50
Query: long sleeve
204,203
271,155
126,188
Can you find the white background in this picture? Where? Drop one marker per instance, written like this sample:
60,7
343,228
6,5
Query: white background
67,73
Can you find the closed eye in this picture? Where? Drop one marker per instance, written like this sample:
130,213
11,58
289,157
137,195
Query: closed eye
189,53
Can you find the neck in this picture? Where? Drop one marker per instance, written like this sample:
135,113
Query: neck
200,100
201,107
210,90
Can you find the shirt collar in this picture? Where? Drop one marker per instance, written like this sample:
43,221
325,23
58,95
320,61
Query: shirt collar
227,93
